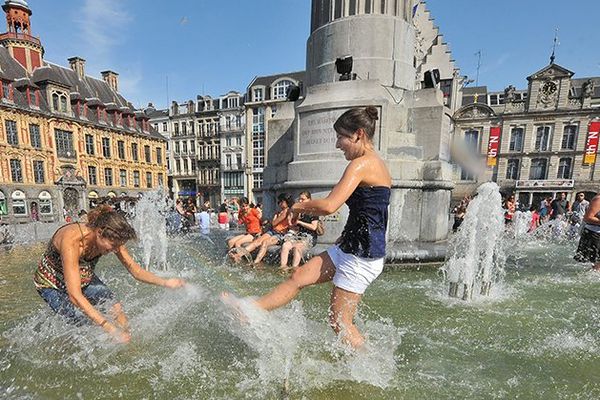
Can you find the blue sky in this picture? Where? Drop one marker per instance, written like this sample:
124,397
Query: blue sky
211,47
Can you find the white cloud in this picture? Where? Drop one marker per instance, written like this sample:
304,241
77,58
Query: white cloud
103,25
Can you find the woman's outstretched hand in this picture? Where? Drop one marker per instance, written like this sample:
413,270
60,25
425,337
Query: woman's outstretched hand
119,335
174,283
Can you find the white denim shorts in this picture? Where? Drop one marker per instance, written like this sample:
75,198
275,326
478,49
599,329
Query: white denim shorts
353,273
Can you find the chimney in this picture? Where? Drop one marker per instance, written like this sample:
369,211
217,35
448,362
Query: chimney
78,65
112,78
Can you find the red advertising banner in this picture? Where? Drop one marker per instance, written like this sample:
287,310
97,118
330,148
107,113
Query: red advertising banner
493,146
591,144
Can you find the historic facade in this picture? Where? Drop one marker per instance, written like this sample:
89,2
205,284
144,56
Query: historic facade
536,141
66,138
206,146
264,95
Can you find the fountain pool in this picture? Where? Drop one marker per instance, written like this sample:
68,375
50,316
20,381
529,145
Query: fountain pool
536,336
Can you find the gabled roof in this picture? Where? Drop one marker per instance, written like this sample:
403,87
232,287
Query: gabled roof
551,71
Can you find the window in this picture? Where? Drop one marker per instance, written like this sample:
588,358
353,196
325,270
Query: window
147,154
184,147
273,111
258,120
177,148
92,176
257,181
538,169
6,89
516,139
12,136
178,166
149,180
38,171
465,175
238,159
34,136
18,203
472,139
108,176
569,137
159,156
542,138
136,179
121,149
16,172
89,145
257,94
134,151
161,180
176,128
280,89
184,128
45,201
164,126
192,146
106,147
564,168
64,144
63,103
123,177
228,161
512,169
496,99
3,204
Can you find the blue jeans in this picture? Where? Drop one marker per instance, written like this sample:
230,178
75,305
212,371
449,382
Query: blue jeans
96,292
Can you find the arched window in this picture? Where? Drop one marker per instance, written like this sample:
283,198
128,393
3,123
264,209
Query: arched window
18,203
55,101
280,89
63,103
3,204
45,200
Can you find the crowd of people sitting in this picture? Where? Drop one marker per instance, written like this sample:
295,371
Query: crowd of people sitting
296,236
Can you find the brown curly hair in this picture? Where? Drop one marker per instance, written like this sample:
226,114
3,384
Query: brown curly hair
112,225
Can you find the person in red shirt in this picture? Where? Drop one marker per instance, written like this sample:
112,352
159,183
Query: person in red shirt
280,225
249,217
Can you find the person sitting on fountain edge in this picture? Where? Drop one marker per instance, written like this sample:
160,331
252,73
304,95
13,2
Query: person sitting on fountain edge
66,280
358,257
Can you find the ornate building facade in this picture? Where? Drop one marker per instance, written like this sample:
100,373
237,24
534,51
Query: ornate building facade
536,141
66,138
206,146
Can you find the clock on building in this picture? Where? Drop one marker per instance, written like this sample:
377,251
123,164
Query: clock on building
549,88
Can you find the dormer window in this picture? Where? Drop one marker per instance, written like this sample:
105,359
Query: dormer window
7,91
59,102
280,89
257,94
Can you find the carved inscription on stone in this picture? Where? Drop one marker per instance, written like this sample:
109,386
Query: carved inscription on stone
316,131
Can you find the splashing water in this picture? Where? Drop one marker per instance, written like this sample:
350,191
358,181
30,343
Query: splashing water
150,225
476,259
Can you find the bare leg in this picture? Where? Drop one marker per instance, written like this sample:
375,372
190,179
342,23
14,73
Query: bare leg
318,270
262,252
285,252
257,242
120,317
298,250
245,239
341,316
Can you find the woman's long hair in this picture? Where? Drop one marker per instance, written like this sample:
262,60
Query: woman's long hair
112,225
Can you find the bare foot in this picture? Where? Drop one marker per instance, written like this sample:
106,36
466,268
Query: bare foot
233,303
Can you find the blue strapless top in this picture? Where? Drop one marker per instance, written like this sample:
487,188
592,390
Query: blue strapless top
364,233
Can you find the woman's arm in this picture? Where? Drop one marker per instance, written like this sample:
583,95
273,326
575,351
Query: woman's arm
352,177
141,274
278,218
310,226
591,214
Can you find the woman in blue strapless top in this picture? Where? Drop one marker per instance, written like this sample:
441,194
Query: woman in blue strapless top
358,256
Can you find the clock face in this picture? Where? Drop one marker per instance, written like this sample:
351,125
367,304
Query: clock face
549,88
